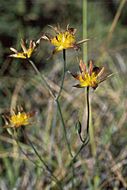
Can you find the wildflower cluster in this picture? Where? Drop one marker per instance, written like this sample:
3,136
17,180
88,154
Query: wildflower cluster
62,40
89,77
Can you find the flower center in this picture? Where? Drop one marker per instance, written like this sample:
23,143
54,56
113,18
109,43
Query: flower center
63,40
88,80
19,119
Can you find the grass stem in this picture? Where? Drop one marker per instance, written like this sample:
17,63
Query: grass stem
84,20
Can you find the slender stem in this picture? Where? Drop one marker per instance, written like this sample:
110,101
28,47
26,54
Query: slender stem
42,77
63,76
71,164
59,93
64,128
43,162
88,117
88,110
31,160
61,116
73,175
92,136
81,138
58,104
86,139
78,152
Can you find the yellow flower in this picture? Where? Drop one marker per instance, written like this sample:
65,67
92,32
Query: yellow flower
27,52
91,77
63,39
16,120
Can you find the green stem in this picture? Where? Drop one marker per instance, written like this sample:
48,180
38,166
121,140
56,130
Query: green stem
61,116
42,77
18,143
78,152
88,118
64,128
88,110
86,139
43,162
58,104
91,135
63,76
58,96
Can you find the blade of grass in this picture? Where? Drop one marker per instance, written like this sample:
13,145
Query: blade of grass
84,20
115,21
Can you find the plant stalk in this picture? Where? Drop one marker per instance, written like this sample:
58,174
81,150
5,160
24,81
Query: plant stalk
58,103
63,76
42,77
43,162
88,110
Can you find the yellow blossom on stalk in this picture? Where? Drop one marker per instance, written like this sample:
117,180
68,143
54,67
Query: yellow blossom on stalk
17,119
63,39
27,52
91,77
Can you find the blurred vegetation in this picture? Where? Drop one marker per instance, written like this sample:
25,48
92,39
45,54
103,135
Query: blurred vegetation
103,163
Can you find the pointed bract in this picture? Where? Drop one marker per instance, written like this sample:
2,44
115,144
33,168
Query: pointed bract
64,39
17,118
27,52
92,77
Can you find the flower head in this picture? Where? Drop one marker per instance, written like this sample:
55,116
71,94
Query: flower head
17,119
63,39
91,77
27,52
